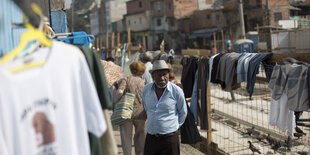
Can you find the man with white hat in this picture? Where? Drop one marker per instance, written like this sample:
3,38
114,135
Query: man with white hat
166,110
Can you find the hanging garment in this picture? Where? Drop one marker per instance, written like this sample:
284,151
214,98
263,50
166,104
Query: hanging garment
50,108
193,105
189,131
210,69
268,67
98,76
78,38
227,71
254,69
202,99
293,80
188,74
215,67
3,147
280,115
243,65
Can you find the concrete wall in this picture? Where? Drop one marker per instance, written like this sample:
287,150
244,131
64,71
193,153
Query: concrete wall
137,6
180,8
139,21
208,19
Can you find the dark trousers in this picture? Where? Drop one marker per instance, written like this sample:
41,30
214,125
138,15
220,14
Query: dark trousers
167,144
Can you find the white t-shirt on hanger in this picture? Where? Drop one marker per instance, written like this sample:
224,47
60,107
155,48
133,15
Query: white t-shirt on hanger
49,109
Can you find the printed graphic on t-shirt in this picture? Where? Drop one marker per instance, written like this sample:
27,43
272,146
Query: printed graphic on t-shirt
44,129
40,115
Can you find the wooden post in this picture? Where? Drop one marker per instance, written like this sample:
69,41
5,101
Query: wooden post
129,44
278,41
232,39
97,43
209,139
214,39
257,26
295,36
118,40
112,46
223,42
100,47
107,45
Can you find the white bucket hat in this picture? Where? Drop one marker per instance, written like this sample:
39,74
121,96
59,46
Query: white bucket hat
159,65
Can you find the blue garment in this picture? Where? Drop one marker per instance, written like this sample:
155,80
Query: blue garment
193,106
147,77
168,113
210,69
254,69
78,38
59,21
243,65
103,54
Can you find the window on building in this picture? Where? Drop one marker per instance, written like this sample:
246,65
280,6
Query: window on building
169,6
208,17
128,22
258,2
157,6
140,20
217,17
172,22
140,4
277,16
158,22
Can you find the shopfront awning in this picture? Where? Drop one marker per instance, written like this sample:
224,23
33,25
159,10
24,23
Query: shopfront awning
204,33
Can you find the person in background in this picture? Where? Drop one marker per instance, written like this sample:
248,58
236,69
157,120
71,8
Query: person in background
147,59
213,51
133,84
166,110
172,77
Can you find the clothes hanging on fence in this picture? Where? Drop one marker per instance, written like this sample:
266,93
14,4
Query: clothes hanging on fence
188,74
215,67
253,69
193,105
210,69
243,65
226,71
292,79
268,67
202,86
59,97
280,115
189,131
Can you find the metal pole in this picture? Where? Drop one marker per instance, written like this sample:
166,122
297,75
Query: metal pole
267,14
241,19
72,14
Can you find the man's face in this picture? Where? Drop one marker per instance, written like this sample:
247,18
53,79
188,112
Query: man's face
161,78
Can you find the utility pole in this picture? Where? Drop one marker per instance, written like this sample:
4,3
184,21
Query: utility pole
72,14
267,13
241,19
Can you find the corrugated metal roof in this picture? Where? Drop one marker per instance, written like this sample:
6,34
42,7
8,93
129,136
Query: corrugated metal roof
9,14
